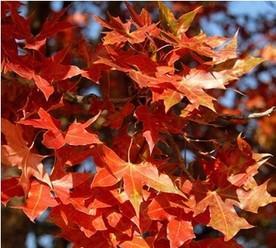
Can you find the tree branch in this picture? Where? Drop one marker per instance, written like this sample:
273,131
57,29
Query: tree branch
179,158
189,139
268,112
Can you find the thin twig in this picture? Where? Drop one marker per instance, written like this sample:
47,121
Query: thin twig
122,99
78,99
179,158
268,112
270,164
189,139
195,148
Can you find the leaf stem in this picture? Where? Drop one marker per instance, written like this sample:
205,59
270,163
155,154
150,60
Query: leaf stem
129,148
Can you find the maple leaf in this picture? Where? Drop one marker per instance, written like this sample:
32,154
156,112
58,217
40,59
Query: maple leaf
17,153
245,178
227,50
50,27
156,121
68,156
21,25
121,31
120,223
206,80
196,95
42,70
68,190
52,71
144,80
236,164
48,72
245,65
179,232
167,207
142,19
39,198
114,219
169,97
100,200
77,135
191,86
63,186
21,28
23,67
219,49
43,85
134,176
184,21
223,216
127,61
53,137
67,215
10,188
180,26
256,197
175,211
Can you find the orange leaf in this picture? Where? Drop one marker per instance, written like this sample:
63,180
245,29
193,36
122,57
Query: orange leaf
223,216
10,188
77,135
53,137
134,176
39,199
255,198
179,231
17,153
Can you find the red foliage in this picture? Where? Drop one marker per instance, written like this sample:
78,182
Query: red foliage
155,79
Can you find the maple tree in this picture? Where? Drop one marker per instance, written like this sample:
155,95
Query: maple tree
156,80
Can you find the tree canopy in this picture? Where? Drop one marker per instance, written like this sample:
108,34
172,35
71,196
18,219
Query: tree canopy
125,142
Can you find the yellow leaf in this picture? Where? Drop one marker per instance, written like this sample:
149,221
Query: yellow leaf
185,21
167,18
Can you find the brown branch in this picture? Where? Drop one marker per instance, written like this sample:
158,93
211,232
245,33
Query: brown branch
197,149
270,164
179,157
78,99
189,139
268,112
122,99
